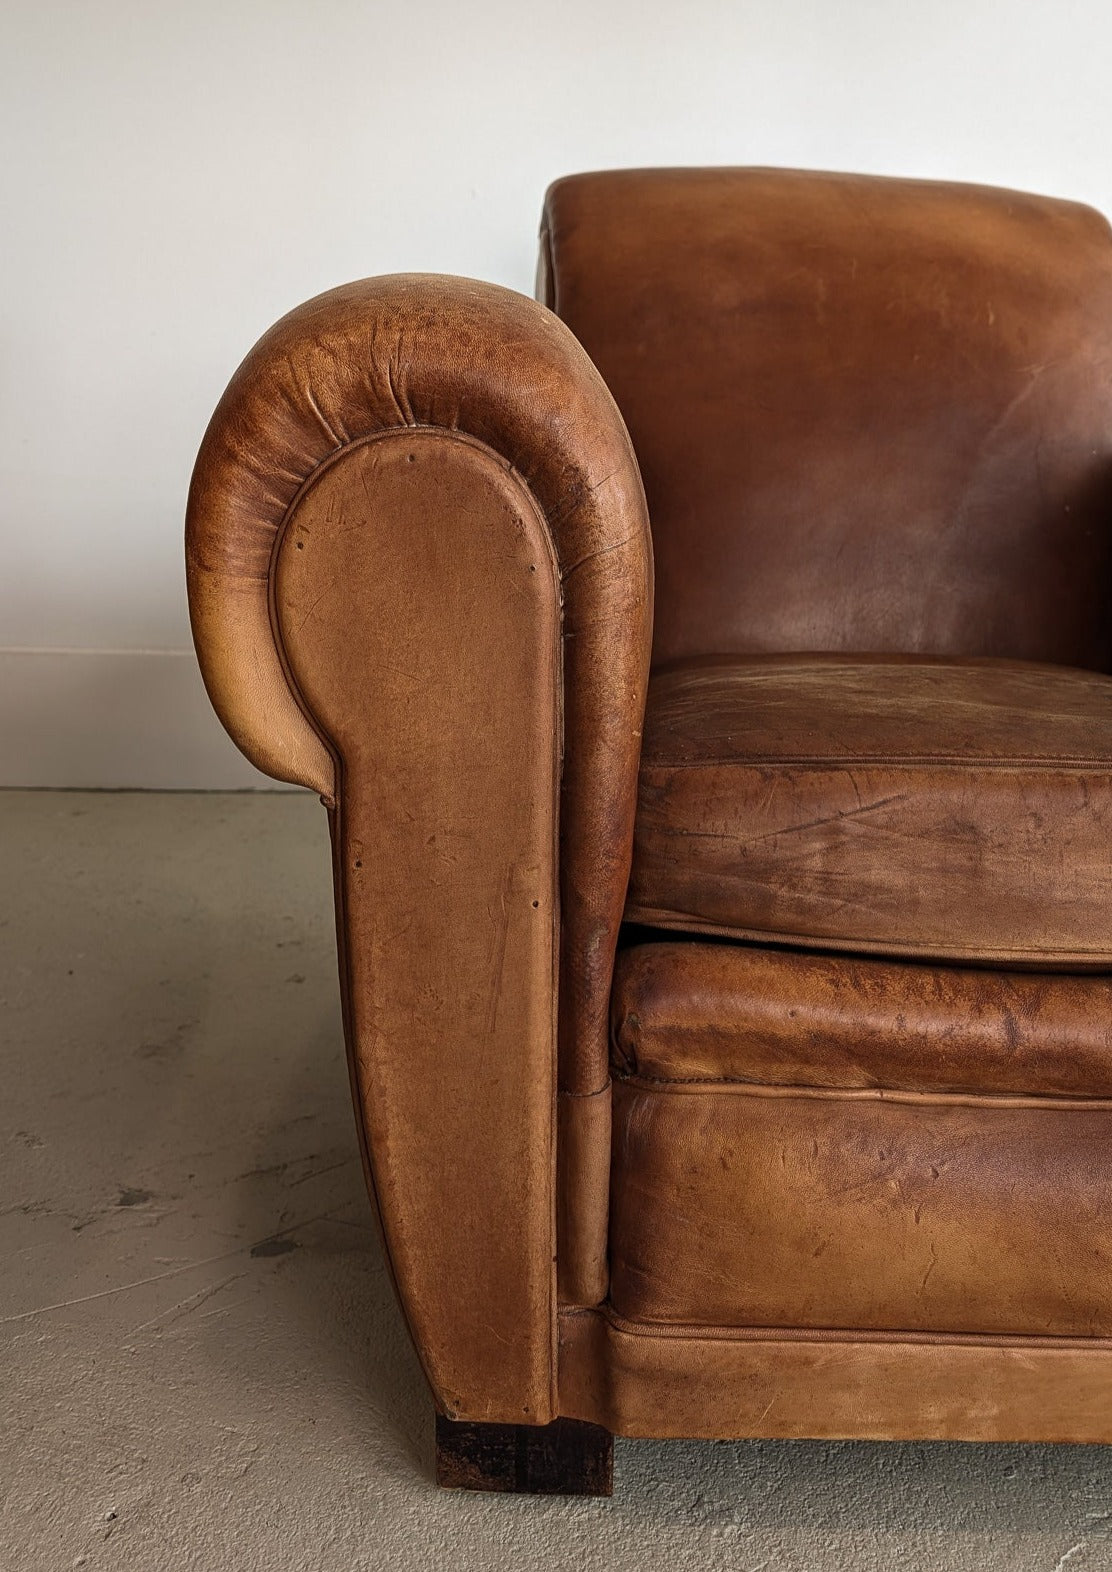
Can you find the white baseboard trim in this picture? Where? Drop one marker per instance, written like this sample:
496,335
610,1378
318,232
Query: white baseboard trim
114,719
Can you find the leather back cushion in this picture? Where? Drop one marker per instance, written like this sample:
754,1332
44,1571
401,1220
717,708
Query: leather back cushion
870,414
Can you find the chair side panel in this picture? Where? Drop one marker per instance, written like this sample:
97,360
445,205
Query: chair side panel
417,603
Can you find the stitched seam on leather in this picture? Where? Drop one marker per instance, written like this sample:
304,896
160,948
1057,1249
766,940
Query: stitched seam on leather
706,1332
682,922
904,761
766,1090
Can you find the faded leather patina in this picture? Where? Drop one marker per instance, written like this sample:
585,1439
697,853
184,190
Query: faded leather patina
837,1163
870,414
314,661
936,807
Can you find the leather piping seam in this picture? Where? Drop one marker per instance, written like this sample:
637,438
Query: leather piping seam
763,1089
890,949
825,1336
866,761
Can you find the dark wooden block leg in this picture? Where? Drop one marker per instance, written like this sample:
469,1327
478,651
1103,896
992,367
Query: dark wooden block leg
565,1458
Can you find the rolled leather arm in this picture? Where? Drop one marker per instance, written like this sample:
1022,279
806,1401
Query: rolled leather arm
417,552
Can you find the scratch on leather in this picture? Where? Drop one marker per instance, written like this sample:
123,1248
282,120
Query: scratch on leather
833,818
498,952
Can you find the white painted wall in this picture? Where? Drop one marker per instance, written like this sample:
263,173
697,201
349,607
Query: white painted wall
176,175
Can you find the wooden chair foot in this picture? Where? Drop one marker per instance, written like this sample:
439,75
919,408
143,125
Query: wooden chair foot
566,1458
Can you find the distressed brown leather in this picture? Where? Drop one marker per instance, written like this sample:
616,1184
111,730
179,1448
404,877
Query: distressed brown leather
717,1382
849,1196
733,1012
736,1205
445,873
583,1197
894,804
826,1142
417,350
870,414
418,562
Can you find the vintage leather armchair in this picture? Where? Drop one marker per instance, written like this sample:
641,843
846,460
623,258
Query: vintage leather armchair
728,993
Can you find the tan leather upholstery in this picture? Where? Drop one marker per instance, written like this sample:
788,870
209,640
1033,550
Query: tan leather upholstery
645,1380
851,1177
471,1029
747,1191
418,559
870,414
881,804
709,1012
463,357
744,1205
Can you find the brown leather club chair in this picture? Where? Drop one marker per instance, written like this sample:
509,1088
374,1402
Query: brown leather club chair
728,994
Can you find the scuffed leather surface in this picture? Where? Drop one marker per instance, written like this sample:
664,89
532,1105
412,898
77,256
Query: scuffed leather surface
749,1205
583,1197
732,1012
903,805
423,351
871,414
445,875
642,1380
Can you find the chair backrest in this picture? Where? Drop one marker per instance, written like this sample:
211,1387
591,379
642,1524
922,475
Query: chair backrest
870,414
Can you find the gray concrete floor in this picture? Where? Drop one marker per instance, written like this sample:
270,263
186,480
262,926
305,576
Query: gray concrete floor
201,1363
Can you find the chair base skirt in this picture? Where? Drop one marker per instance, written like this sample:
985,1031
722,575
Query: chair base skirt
639,1379
565,1458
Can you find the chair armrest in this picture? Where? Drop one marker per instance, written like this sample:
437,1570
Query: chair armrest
418,557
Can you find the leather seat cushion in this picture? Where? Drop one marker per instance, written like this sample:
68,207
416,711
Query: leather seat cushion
830,1142
894,804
